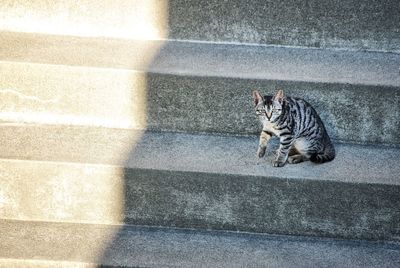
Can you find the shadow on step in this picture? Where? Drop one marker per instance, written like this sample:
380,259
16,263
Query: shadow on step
187,199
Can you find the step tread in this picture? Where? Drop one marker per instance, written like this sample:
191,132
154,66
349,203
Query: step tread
154,247
206,59
40,263
203,153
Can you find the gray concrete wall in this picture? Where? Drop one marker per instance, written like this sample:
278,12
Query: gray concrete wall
351,24
79,245
265,205
351,113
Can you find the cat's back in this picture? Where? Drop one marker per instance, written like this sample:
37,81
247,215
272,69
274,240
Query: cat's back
303,107
300,102
305,118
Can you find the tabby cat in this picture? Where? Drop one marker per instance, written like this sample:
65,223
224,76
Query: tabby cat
301,132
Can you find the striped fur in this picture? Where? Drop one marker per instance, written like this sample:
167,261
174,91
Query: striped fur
301,132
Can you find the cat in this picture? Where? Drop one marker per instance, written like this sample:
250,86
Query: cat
300,129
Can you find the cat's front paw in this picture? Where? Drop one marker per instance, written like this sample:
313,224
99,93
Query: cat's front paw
261,151
278,163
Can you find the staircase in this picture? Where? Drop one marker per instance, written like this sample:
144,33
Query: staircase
129,137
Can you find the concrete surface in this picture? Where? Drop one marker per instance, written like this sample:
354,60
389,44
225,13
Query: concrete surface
130,246
351,113
201,59
234,155
139,19
342,24
372,25
63,188
195,181
55,94
125,84
32,263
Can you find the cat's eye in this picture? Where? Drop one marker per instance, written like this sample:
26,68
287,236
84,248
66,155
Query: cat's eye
276,110
259,112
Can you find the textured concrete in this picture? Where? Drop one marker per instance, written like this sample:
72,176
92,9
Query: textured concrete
137,19
127,84
32,263
234,155
78,51
351,113
148,247
195,181
60,93
61,192
199,59
55,94
345,24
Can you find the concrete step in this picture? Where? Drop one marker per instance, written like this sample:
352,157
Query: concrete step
371,25
340,24
193,87
130,246
139,19
35,263
71,174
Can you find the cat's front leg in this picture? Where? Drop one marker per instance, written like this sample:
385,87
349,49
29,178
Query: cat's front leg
286,143
264,138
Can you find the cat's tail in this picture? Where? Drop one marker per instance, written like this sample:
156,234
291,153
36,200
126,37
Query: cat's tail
327,155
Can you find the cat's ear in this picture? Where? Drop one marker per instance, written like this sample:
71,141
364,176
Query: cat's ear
257,97
279,96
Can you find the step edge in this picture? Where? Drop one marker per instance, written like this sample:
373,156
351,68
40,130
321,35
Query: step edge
128,167
196,72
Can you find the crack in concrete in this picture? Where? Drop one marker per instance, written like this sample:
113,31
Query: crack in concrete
27,97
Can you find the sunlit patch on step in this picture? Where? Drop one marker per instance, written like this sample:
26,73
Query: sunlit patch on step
56,191
54,119
21,96
139,19
70,95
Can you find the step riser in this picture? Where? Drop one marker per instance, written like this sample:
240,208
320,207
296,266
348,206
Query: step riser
351,113
130,246
72,95
373,25
101,194
297,207
139,19
61,192
339,24
127,99
83,247
32,263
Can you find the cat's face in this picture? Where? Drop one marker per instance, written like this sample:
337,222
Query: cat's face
269,108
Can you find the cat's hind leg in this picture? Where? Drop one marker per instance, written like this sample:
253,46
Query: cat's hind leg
298,153
297,158
293,151
294,156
